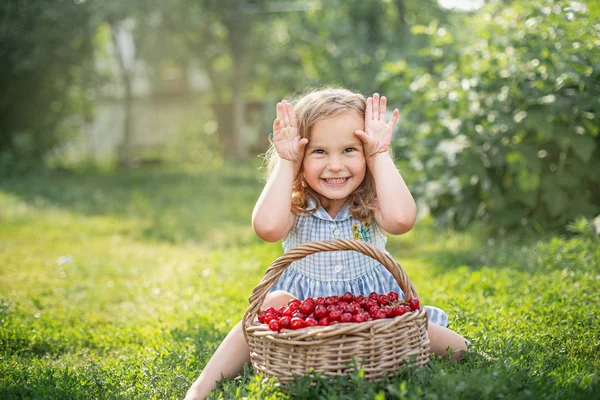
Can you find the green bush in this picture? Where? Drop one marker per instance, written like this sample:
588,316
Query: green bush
501,117
44,77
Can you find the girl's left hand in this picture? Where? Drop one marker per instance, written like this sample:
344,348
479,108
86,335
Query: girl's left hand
377,136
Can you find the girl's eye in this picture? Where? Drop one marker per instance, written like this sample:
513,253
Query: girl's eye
319,151
349,150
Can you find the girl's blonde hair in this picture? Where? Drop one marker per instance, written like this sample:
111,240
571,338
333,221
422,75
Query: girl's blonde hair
311,108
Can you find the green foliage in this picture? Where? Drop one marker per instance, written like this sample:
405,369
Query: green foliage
44,74
502,118
137,278
334,42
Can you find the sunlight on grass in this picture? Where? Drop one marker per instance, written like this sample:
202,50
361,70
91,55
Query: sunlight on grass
123,286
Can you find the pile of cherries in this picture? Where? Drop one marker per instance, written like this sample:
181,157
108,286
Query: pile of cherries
330,310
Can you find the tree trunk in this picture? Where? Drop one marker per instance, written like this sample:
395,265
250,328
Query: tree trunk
124,149
237,33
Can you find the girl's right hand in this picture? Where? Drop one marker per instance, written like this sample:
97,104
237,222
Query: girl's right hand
286,139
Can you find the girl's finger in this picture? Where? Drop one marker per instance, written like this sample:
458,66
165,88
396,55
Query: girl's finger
302,145
276,126
376,106
394,119
286,116
369,109
292,114
280,112
362,136
382,108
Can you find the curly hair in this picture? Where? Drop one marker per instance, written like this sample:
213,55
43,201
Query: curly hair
311,108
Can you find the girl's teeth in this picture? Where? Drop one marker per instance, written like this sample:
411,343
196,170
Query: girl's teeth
336,181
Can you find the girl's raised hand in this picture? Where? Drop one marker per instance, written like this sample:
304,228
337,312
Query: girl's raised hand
286,139
377,136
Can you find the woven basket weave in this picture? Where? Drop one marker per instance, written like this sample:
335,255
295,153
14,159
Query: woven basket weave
378,346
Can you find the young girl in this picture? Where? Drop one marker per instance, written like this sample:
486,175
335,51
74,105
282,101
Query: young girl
331,177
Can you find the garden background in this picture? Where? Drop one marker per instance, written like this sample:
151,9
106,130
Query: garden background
130,135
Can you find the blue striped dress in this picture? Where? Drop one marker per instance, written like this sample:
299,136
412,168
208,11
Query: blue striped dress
336,272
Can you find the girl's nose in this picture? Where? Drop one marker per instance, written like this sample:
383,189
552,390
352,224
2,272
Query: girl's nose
335,164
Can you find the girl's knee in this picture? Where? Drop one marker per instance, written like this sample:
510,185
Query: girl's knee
433,332
277,299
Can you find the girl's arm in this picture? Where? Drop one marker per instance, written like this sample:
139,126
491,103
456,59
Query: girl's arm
273,218
397,210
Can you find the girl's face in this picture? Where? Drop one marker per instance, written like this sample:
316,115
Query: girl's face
334,163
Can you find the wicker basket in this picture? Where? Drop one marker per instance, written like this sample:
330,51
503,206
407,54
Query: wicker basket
378,346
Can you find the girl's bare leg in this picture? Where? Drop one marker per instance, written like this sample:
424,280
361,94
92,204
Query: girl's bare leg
443,338
231,355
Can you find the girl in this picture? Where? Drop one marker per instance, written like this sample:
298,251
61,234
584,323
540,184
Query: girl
331,176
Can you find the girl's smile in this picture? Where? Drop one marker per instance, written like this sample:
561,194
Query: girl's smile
335,182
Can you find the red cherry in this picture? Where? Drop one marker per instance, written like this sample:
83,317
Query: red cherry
324,321
307,306
281,310
291,309
320,300
348,297
321,311
287,311
383,299
370,303
373,311
349,308
332,307
299,314
380,314
333,322
388,311
274,325
295,302
261,317
346,317
359,318
361,300
297,323
284,322
269,317
270,310
393,296
407,308
311,322
413,304
329,301
398,311
373,296
335,315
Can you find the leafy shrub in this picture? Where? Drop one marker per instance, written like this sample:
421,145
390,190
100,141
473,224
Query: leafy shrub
44,75
505,115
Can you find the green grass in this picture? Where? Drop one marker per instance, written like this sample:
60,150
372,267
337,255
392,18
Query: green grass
122,285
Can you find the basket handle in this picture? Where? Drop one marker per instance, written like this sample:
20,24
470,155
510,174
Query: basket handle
280,264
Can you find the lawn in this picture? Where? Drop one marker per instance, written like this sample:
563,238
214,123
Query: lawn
122,285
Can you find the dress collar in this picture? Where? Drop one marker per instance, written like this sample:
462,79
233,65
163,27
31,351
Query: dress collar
322,214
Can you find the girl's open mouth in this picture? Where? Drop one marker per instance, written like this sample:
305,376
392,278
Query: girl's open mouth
335,181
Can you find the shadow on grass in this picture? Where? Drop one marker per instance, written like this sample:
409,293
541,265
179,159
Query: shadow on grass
170,206
474,378
532,255
167,372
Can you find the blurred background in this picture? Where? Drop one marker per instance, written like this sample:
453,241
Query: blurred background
499,100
